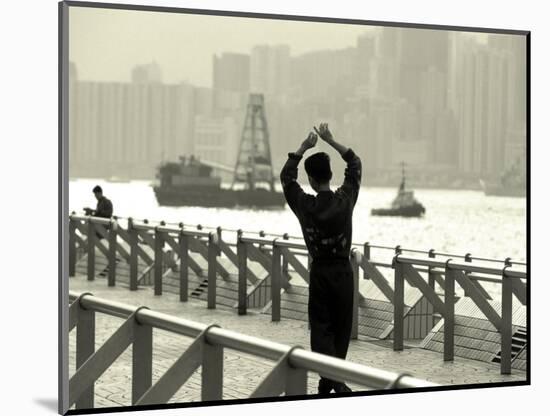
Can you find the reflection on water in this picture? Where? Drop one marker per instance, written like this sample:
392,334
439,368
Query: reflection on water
455,221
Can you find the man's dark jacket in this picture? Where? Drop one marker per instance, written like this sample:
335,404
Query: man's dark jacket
325,219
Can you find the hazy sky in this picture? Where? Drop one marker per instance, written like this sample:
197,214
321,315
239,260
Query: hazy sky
105,44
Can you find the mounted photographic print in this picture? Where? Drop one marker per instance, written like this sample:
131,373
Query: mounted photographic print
265,208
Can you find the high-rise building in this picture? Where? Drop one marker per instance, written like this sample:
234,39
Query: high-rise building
386,80
420,50
231,72
204,101
437,121
365,54
217,140
147,73
388,43
386,69
459,45
513,49
231,84
324,73
472,111
483,111
270,69
487,93
126,129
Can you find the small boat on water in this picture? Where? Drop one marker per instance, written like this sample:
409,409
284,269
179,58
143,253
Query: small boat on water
404,204
192,182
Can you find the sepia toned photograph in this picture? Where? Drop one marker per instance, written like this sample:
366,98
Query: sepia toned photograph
265,208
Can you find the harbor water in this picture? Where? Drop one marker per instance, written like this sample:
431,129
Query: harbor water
456,221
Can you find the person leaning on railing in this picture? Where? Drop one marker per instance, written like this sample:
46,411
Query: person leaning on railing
104,208
326,222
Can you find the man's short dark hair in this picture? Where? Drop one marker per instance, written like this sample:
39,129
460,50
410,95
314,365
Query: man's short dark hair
318,167
97,188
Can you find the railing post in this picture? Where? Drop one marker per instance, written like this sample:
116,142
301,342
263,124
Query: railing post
113,229
212,262
285,261
449,325
212,372
398,305
242,263
355,261
366,254
296,378
72,247
132,232
91,249
366,250
506,329
467,259
431,278
219,234
85,347
261,248
142,360
276,283
431,283
159,245
184,265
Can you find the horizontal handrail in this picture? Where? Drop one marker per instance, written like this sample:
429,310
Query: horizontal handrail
145,225
463,266
142,227
190,233
93,219
150,227
433,253
442,272
276,242
329,366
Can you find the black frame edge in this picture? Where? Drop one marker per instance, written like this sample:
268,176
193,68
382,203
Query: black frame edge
257,15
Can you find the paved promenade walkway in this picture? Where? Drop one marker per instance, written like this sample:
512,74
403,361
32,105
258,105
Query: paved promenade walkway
242,372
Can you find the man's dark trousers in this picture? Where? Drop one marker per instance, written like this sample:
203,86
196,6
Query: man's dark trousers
330,306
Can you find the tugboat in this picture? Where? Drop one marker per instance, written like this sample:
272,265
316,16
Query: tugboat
190,182
404,204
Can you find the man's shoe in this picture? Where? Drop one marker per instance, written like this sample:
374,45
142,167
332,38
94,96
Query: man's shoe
341,388
325,386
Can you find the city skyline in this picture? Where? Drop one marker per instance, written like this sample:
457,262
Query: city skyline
108,43
446,102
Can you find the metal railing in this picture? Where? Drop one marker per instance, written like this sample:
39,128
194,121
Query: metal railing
276,255
457,272
289,375
142,233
